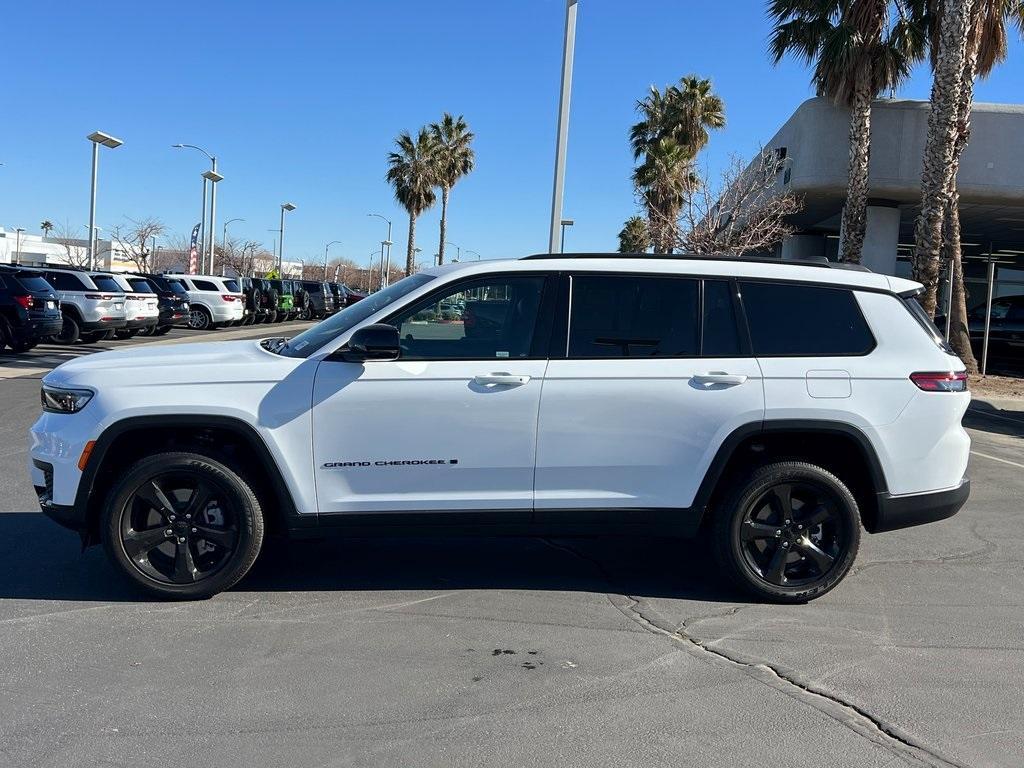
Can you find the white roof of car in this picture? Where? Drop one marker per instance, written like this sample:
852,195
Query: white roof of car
816,272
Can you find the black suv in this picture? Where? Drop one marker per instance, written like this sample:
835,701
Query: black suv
257,309
339,297
173,298
1006,331
29,308
314,300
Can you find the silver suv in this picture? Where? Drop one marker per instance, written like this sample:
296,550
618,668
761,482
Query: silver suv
90,312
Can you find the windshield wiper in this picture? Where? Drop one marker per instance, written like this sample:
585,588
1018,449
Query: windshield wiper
274,344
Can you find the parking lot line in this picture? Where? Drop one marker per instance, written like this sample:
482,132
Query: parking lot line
996,458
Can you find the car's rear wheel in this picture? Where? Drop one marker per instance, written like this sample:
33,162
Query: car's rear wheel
788,533
125,333
182,525
162,330
199,319
69,331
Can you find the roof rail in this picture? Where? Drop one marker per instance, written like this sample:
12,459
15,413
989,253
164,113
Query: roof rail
818,261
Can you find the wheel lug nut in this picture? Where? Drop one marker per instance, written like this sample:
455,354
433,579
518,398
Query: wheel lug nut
168,532
172,518
785,545
181,539
193,530
799,527
778,533
188,517
788,522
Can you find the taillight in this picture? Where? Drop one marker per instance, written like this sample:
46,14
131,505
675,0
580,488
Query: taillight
943,381
98,296
25,302
226,297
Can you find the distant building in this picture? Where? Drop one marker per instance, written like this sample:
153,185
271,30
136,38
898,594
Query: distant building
813,149
35,251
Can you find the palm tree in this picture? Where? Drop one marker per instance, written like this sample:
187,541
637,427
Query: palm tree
454,159
950,56
634,237
673,128
986,47
662,181
411,173
858,49
47,227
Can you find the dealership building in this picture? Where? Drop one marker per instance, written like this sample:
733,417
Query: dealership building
813,146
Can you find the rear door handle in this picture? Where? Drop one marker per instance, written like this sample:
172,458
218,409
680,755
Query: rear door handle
503,379
719,377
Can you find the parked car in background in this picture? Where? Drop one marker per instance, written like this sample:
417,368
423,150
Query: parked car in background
285,299
314,298
1006,331
353,296
255,309
213,301
172,301
88,313
141,306
29,309
338,295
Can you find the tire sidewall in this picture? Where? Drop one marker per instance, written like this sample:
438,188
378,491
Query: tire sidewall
730,519
250,523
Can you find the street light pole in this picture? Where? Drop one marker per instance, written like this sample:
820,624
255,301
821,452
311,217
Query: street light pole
327,248
568,49
565,223
209,233
474,252
97,138
280,252
458,249
213,177
224,242
388,241
17,247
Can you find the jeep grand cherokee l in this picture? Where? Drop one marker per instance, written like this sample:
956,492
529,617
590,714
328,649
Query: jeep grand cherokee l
779,407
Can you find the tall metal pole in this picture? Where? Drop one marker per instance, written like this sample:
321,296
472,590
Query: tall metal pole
280,252
568,50
387,273
949,297
202,228
17,248
213,213
988,311
92,206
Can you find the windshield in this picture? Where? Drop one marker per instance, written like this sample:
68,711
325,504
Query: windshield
175,286
107,283
308,342
231,285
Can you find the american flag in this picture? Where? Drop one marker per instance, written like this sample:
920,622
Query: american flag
193,251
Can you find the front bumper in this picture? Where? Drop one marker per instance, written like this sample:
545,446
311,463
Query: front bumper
895,512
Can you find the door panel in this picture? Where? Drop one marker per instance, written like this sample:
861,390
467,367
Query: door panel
424,435
637,433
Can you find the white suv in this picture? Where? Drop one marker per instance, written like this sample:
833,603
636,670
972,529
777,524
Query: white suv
777,407
214,302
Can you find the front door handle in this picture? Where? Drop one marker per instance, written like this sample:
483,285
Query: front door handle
719,377
503,379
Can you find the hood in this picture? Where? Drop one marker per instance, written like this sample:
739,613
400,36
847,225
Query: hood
182,363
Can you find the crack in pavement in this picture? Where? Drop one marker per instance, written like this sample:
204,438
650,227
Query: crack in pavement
987,548
788,681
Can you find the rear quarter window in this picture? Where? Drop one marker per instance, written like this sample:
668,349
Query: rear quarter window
33,283
790,320
107,283
232,285
205,285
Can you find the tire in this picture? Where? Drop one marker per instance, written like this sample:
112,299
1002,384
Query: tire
92,337
126,334
21,347
147,331
200,319
162,330
787,552
173,566
69,332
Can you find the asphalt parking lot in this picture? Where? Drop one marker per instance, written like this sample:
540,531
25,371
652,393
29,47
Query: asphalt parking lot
514,652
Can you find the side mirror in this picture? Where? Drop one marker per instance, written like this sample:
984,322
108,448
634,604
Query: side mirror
374,342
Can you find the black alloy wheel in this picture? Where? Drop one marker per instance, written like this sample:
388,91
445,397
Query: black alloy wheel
183,525
790,533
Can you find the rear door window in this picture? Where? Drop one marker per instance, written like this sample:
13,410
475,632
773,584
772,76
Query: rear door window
619,316
790,320
67,281
720,333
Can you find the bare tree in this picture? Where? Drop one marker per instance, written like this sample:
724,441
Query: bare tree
136,241
246,257
76,249
744,211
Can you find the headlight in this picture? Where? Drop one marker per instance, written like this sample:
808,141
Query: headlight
61,400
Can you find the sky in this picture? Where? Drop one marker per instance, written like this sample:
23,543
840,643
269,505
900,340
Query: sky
302,101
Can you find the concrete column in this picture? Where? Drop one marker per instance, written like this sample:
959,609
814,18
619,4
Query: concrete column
803,247
881,238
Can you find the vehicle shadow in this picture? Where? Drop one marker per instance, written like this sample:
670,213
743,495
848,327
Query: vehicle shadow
54,568
985,417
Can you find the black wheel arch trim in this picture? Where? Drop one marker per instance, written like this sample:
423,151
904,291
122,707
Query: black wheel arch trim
83,496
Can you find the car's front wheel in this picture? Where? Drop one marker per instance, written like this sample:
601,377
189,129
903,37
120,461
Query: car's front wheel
199,319
182,525
788,533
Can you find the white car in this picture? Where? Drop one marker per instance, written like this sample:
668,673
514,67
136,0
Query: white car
214,302
142,308
780,406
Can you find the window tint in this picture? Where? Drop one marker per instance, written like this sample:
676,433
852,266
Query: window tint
2,283
176,286
489,318
232,286
623,316
107,283
801,320
721,336
66,281
31,282
205,285
1016,313
141,285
